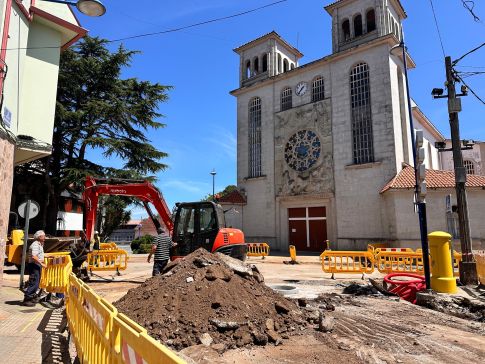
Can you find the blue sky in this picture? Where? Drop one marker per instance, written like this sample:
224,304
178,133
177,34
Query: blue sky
200,64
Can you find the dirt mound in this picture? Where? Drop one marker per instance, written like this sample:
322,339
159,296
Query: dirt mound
214,300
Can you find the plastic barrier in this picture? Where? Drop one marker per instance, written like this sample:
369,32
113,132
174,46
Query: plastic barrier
347,262
293,253
103,335
55,277
399,262
480,259
257,249
108,246
406,289
106,260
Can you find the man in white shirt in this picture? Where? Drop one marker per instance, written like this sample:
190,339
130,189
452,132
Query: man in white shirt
35,264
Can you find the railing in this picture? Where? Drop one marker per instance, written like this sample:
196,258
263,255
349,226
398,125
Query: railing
400,262
361,262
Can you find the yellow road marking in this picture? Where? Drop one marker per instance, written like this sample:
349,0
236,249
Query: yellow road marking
31,321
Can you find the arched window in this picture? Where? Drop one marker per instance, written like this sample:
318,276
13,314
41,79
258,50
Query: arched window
279,63
248,69
469,166
370,18
256,65
362,139
285,65
265,62
254,136
286,99
358,25
346,29
292,66
318,89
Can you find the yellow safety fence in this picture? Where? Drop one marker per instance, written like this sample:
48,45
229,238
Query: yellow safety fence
55,277
347,262
399,262
480,259
257,249
106,260
108,246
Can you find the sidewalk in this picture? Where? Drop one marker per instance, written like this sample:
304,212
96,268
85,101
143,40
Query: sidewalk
30,335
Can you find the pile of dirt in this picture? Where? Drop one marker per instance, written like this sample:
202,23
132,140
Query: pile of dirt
215,300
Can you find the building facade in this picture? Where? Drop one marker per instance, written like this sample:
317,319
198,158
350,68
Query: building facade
318,142
34,33
473,158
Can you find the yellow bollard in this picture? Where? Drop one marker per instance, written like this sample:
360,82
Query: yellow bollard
442,279
293,253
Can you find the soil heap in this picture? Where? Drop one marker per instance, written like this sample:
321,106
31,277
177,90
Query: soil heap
212,299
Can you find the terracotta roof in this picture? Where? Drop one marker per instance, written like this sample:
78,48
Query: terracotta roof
434,179
235,197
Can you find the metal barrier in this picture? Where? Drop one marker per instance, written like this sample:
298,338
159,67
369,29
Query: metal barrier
399,262
257,249
106,260
103,335
55,276
108,246
347,262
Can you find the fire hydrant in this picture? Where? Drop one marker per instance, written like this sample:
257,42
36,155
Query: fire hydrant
442,279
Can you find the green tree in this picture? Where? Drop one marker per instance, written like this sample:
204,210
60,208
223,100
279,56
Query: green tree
98,110
222,193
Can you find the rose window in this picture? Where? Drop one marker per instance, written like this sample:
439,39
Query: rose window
302,150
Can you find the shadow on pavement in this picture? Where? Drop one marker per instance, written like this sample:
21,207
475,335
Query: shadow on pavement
55,343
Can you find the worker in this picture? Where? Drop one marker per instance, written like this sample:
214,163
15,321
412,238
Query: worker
96,241
161,249
34,265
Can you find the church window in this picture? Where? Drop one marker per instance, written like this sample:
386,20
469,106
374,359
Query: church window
248,69
318,89
292,66
256,65
302,150
358,25
363,148
265,62
285,65
346,29
254,136
470,168
279,63
371,20
286,99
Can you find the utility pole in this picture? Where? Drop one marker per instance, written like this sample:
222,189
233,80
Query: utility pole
468,268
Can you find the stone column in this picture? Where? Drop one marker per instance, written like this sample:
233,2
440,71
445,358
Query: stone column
6,181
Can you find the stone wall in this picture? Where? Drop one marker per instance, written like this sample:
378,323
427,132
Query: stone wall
6,180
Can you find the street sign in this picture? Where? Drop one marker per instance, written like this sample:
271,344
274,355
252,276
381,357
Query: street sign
34,209
448,203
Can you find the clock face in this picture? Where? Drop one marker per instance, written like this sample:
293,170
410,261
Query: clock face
301,88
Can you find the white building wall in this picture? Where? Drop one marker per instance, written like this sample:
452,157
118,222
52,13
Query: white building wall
475,155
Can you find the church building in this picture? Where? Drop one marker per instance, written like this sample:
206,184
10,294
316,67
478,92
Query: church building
319,145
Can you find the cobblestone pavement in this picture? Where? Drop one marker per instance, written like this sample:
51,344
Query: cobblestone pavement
30,335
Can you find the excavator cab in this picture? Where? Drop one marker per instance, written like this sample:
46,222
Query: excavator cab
202,225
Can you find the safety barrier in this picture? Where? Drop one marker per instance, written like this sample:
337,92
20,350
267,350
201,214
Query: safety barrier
55,276
456,261
480,259
106,260
108,246
257,249
347,262
399,262
103,335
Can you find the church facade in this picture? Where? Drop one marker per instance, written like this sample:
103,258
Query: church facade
318,143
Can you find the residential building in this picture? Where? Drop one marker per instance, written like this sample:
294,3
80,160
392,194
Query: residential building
473,158
34,33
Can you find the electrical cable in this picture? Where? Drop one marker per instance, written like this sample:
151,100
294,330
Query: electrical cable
470,9
172,30
467,53
437,28
468,87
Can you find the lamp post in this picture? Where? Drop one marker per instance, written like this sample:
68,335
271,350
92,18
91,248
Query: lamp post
419,196
87,7
213,173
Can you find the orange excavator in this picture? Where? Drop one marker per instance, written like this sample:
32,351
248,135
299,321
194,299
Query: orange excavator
194,224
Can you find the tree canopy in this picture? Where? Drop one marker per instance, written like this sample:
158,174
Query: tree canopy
99,110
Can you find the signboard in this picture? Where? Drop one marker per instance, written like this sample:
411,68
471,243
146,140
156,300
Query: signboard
448,203
34,209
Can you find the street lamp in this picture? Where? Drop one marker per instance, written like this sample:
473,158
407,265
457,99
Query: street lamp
421,204
213,173
87,7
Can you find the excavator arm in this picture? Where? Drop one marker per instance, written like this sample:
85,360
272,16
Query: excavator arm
143,190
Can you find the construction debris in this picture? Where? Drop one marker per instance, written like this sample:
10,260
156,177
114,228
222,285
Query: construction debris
213,300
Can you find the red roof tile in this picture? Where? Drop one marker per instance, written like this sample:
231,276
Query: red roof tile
434,179
235,197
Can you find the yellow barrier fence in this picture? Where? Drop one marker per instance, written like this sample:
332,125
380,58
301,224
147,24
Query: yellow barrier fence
400,262
55,277
361,262
480,259
257,249
103,335
108,246
107,260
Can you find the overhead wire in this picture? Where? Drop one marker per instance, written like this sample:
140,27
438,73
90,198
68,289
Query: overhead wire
470,89
437,28
173,30
467,53
470,9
